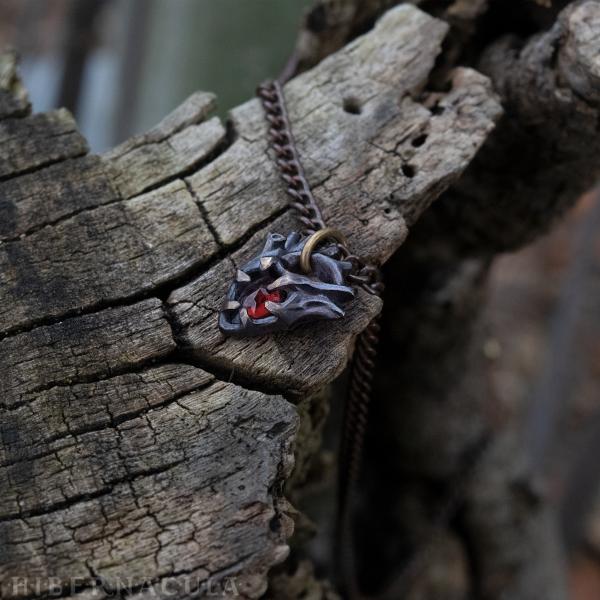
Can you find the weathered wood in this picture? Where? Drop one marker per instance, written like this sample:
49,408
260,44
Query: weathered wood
56,417
528,173
83,348
355,132
134,472
39,140
13,96
50,195
373,173
103,255
178,488
330,24
176,145
126,460
111,464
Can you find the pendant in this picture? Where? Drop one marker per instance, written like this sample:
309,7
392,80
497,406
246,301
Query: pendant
284,287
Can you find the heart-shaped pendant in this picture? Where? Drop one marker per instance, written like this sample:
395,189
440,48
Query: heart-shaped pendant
271,292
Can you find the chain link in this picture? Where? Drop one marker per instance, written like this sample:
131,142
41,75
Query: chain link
286,158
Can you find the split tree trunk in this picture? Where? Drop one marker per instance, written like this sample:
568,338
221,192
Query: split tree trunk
138,445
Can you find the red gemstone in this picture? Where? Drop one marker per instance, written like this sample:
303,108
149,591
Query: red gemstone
260,311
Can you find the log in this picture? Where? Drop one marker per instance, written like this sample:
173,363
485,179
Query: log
140,447
525,177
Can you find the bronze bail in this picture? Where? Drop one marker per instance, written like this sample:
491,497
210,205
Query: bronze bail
328,233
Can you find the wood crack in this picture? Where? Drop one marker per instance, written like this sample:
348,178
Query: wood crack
106,490
114,421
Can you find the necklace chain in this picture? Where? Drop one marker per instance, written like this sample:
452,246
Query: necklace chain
362,369
302,200
286,157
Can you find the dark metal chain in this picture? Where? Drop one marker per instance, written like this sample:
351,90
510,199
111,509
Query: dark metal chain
356,414
301,197
362,275
286,157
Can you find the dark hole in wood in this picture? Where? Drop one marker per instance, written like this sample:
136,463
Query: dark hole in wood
437,109
274,524
419,140
408,170
352,106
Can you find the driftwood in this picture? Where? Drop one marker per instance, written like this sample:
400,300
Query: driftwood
141,448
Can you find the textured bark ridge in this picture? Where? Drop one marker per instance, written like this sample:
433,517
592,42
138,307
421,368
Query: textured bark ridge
135,448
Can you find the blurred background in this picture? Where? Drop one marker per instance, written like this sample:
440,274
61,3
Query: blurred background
544,353
122,65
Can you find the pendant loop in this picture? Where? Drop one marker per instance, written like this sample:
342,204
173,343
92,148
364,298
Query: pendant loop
328,233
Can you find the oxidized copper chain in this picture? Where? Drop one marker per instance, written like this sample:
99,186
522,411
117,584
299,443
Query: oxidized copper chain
362,275
286,156
356,413
302,200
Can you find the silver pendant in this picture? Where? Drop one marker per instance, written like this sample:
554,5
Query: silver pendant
271,292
